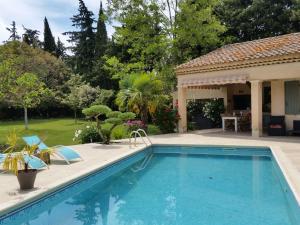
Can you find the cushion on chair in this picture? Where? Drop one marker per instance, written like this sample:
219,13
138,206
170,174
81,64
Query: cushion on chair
296,125
276,126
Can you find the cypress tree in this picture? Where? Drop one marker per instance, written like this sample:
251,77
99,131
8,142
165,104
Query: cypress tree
13,32
60,49
99,76
101,35
49,42
83,41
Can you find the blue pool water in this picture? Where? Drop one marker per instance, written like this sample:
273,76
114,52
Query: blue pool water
180,185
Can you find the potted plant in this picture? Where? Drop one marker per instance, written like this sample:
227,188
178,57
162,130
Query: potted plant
16,160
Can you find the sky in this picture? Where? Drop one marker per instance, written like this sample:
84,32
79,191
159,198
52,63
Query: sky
31,13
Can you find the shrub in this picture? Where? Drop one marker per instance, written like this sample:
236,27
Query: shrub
153,130
89,134
212,110
194,109
120,132
166,119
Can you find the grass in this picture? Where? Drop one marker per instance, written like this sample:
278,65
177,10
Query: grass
57,131
52,131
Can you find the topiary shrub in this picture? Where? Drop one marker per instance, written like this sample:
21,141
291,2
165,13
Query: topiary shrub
113,118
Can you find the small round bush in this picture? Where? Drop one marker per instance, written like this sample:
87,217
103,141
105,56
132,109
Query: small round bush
120,132
89,134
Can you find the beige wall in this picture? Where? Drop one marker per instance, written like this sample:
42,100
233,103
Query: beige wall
277,98
289,121
182,97
256,108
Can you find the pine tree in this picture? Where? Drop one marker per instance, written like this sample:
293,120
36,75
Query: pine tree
60,49
101,35
83,41
49,42
31,37
13,32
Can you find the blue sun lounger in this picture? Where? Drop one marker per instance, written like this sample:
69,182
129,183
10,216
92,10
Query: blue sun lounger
33,162
66,153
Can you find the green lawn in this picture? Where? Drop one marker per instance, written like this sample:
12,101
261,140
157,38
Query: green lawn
52,131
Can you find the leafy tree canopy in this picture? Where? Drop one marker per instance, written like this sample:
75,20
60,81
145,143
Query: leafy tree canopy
197,30
25,59
27,92
250,20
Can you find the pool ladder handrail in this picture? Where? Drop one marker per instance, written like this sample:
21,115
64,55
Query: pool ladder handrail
138,133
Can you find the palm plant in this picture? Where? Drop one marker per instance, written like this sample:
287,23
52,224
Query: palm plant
16,160
141,94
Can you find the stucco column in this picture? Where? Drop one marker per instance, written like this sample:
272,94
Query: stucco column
277,98
256,108
182,95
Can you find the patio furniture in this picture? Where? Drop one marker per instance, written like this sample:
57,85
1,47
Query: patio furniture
296,128
66,153
244,122
33,162
276,126
235,118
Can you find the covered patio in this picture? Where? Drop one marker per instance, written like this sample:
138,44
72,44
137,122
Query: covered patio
245,72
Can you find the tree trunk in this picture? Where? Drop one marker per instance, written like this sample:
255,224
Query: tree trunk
25,118
144,115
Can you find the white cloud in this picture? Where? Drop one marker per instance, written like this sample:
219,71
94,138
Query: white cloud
31,13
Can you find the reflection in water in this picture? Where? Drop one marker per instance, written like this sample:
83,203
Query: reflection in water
102,201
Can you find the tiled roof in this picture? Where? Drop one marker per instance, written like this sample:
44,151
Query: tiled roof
251,53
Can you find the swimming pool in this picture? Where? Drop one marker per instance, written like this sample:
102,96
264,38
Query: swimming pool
182,185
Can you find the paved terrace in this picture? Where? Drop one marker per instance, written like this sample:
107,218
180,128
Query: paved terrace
96,156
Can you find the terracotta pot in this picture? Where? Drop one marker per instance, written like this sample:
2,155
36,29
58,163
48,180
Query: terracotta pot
26,178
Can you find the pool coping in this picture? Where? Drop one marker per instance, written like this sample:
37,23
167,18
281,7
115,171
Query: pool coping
288,170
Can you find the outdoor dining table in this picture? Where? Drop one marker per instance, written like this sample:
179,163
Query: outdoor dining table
235,118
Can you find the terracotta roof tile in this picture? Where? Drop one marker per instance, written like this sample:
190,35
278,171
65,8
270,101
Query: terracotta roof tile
245,52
